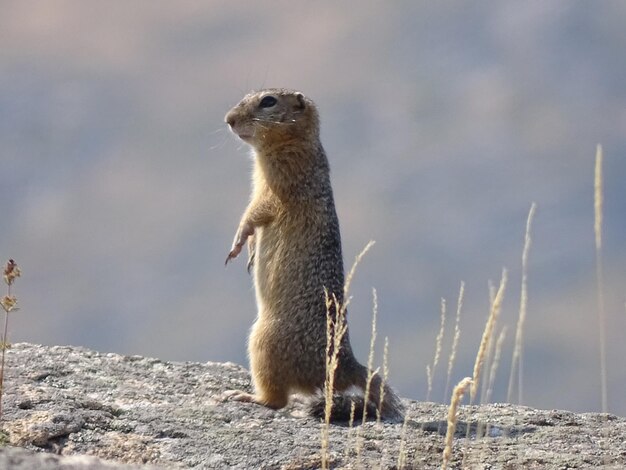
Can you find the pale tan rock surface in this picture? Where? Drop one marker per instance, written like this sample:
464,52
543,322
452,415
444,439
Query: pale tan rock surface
72,408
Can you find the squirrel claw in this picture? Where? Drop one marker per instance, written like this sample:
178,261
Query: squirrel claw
233,254
250,264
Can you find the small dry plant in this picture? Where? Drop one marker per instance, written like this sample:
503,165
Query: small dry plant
9,304
455,401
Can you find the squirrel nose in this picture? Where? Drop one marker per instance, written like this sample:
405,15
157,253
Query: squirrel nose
230,119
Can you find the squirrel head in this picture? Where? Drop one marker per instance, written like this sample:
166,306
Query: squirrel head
273,118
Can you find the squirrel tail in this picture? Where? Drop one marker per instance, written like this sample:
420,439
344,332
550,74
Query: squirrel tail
381,400
384,399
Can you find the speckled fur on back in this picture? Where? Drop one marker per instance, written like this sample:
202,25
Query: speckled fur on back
295,251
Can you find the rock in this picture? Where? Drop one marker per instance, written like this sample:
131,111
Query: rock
72,408
14,458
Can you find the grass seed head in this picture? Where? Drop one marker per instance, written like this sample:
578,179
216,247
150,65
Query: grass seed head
8,303
11,272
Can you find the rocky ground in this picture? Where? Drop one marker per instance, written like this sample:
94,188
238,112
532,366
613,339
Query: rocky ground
72,408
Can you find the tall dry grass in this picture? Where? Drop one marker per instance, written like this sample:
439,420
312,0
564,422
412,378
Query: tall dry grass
430,369
488,357
336,327
455,337
491,344
370,356
487,333
381,391
597,226
517,360
494,365
370,376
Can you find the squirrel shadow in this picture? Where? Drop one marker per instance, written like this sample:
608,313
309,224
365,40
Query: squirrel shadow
473,429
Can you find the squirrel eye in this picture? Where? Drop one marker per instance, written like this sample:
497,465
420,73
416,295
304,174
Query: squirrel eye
268,101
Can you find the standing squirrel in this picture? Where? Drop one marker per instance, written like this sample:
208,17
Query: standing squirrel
294,248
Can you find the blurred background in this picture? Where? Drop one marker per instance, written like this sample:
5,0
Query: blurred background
121,188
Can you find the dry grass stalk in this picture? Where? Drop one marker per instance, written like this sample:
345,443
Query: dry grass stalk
381,391
371,372
495,363
335,330
518,350
598,203
490,343
490,346
488,331
430,371
359,438
402,451
350,276
598,198
456,337
8,304
370,357
350,429
492,291
352,413
457,396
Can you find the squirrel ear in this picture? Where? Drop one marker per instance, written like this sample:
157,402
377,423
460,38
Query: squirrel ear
301,100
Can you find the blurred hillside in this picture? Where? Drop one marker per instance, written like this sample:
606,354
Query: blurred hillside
121,188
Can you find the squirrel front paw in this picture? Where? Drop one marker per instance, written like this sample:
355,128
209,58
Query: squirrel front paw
245,230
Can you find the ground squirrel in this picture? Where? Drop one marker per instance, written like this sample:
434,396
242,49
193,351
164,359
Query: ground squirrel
294,247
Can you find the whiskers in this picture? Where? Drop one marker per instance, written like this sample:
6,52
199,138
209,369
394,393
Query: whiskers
220,135
271,121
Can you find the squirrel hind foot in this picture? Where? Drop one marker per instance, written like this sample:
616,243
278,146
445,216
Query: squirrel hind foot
238,395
